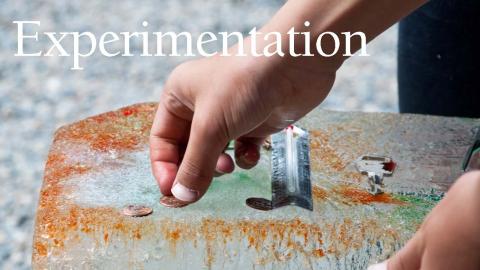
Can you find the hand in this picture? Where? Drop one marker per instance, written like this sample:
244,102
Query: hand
449,238
208,102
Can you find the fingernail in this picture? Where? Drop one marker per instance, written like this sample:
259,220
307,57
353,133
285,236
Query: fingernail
218,173
378,266
183,193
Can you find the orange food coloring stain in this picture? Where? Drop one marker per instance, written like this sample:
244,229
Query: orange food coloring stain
259,235
173,236
318,253
136,234
319,193
355,176
299,237
55,159
104,142
326,159
320,148
109,131
251,241
65,170
58,243
40,248
360,196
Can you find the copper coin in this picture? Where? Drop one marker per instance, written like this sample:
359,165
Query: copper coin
259,204
172,202
137,211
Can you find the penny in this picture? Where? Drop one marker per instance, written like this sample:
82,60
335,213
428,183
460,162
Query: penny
137,211
172,202
259,204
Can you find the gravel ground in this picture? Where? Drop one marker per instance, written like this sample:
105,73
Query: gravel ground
37,95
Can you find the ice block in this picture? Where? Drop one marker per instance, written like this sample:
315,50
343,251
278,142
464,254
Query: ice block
99,165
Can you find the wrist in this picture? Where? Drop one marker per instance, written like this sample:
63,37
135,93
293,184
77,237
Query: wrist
256,56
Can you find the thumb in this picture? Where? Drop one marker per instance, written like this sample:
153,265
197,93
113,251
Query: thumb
196,170
409,257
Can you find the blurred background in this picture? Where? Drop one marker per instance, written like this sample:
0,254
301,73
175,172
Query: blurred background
38,95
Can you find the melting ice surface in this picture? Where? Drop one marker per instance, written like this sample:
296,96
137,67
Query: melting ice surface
130,183
342,234
348,229
128,180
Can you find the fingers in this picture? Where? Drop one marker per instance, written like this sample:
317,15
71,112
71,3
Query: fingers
224,165
378,266
247,151
167,137
410,256
196,170
444,227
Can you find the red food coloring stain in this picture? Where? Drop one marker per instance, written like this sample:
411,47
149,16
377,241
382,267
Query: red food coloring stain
128,112
389,166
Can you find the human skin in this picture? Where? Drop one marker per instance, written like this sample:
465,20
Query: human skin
210,101
449,237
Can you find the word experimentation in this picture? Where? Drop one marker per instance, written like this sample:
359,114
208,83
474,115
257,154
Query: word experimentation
78,45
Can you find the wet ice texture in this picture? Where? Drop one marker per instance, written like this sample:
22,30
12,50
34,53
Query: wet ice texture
220,225
99,165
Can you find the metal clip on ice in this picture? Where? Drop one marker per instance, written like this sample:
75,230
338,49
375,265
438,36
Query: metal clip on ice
291,183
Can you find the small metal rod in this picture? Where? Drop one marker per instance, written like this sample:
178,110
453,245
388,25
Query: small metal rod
292,162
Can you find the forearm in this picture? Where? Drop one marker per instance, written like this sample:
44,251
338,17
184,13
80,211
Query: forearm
370,17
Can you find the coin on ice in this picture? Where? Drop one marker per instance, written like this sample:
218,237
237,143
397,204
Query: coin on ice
172,202
137,211
259,204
